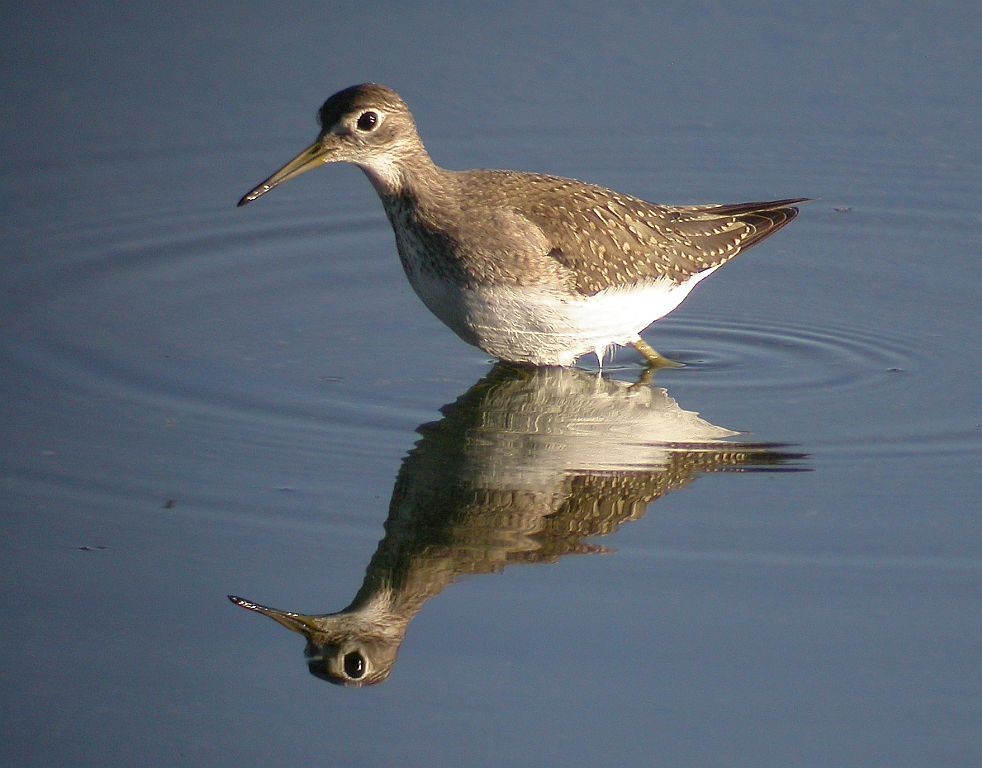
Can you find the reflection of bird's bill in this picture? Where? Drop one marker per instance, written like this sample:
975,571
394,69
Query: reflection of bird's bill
295,621
524,467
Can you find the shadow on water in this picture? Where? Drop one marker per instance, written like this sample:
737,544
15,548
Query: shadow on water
525,467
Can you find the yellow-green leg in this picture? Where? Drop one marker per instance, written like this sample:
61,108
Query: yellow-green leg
652,357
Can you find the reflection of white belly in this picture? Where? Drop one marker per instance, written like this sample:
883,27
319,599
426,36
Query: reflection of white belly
536,325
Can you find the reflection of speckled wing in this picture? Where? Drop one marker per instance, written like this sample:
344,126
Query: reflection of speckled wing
529,464
599,503
526,467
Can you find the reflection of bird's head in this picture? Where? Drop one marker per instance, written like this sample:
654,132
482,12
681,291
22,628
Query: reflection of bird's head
523,468
347,648
354,661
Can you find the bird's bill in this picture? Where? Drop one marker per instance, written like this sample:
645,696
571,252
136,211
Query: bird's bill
297,622
312,157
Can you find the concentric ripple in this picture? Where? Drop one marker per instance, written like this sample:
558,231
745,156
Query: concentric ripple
259,320
770,355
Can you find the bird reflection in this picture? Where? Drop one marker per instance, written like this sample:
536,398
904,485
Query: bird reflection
526,467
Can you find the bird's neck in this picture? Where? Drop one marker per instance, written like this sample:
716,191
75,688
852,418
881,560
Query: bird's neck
411,175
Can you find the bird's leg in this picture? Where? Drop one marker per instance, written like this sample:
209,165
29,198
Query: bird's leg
601,353
652,357
645,379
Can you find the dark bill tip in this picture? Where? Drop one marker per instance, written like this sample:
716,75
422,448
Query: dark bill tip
296,622
312,157
262,189
240,601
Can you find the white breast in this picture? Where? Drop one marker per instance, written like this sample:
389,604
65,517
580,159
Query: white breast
546,327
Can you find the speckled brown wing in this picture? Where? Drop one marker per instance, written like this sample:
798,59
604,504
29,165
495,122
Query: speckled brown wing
606,239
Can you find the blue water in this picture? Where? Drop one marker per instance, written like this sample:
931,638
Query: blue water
197,400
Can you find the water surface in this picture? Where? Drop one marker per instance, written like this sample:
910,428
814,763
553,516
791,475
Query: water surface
771,556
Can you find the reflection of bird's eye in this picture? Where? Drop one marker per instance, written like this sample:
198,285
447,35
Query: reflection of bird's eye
354,665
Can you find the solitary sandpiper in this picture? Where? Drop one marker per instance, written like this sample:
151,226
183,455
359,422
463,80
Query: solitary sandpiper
530,268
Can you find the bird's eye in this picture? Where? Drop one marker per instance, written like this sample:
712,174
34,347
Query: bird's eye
354,662
368,121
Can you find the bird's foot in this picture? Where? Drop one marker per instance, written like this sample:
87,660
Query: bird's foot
653,358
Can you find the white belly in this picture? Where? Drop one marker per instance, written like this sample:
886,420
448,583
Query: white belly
536,325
